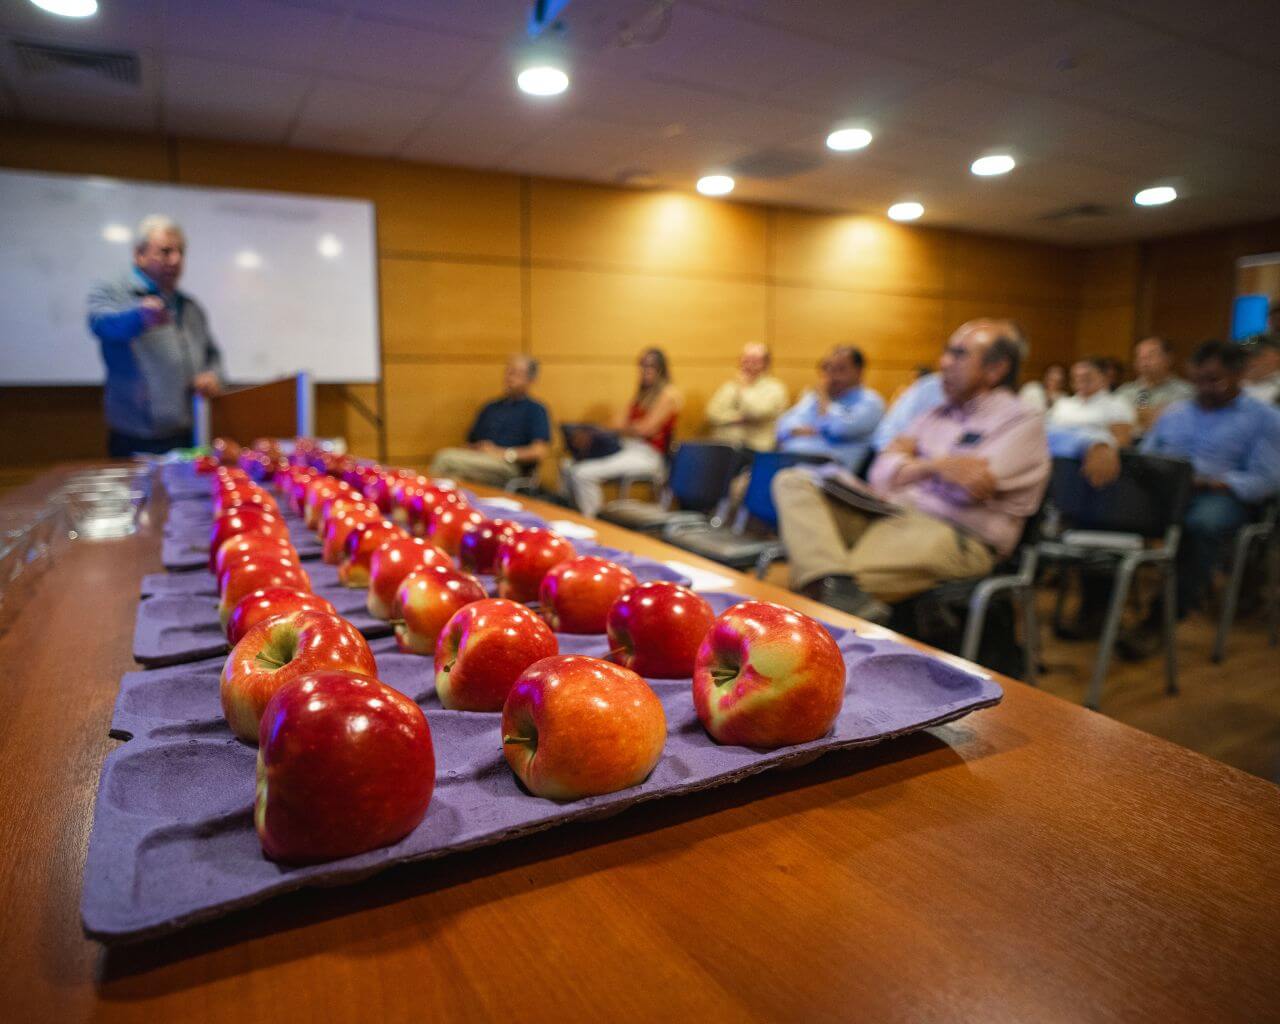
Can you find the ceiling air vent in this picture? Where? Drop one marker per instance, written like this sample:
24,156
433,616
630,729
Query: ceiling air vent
39,59
774,164
1081,211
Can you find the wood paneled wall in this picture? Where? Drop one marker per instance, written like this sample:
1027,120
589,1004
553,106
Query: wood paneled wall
476,265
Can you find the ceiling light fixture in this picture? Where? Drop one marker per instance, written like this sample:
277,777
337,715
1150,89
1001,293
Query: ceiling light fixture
1157,196
844,139
997,163
329,246
247,259
69,8
116,233
715,184
543,80
906,211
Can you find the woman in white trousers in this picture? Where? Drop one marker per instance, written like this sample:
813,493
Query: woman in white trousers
644,430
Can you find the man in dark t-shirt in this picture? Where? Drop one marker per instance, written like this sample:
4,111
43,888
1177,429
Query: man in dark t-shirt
509,438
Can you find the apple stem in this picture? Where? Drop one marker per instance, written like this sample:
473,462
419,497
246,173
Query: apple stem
516,739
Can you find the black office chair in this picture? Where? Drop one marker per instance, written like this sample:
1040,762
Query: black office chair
698,484
1263,530
1111,527
970,601
734,546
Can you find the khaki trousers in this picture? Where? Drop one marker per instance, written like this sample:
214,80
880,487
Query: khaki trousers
890,557
478,467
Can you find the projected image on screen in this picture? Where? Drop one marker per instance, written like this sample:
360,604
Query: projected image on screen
289,282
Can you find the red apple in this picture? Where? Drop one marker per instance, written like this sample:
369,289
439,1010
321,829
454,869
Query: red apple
345,765
296,488
425,602
576,595
338,528
655,629
268,603
236,497
339,505
391,563
226,450
446,525
206,464
424,501
248,520
242,578
575,726
320,490
402,492
478,545
280,649
768,676
483,649
250,545
363,540
525,558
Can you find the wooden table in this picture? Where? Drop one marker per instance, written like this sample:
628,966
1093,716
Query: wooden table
1033,862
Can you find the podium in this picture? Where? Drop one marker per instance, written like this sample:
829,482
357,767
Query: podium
278,408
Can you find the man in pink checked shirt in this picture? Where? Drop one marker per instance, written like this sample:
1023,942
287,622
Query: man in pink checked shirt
967,474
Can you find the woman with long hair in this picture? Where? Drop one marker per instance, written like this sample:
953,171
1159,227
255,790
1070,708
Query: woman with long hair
644,433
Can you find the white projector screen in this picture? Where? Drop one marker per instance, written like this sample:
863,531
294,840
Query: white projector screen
289,282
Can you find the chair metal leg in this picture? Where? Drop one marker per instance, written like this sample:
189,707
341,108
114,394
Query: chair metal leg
1031,636
1120,593
1232,598
1170,618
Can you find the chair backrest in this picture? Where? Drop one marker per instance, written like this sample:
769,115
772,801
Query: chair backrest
1149,496
700,474
758,501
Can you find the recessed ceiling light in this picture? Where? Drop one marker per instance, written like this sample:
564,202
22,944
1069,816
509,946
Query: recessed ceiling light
543,80
906,211
117,233
998,163
715,184
69,8
247,259
844,139
1157,196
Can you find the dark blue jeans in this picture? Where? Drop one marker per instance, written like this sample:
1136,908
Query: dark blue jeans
1213,517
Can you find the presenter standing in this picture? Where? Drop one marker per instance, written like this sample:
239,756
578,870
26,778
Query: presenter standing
156,346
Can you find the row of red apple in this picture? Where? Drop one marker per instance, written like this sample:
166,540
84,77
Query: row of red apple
301,681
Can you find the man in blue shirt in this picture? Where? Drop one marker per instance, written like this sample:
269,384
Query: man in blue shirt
509,437
1233,442
837,418
156,346
923,394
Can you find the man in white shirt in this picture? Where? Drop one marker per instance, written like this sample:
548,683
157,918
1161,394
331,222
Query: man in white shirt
1091,424
1156,386
744,411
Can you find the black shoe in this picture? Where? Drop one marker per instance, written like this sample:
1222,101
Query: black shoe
840,592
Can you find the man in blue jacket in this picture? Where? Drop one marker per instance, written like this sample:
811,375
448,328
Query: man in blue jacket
156,346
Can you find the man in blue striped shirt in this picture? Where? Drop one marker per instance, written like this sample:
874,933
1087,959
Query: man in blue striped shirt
1233,442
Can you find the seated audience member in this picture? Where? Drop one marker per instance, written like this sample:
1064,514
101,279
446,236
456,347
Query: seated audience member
836,419
509,437
1155,386
744,411
925,392
1233,441
1112,371
1041,395
645,430
968,473
1091,411
1262,370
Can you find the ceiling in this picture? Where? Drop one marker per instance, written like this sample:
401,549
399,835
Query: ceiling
1095,98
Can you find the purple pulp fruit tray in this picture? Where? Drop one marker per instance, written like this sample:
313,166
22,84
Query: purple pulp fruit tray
173,840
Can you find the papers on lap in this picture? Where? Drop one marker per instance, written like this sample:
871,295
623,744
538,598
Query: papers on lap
839,483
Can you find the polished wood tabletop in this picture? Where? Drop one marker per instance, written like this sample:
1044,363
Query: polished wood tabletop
1031,862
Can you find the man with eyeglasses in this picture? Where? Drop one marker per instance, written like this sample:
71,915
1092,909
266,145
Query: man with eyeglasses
966,475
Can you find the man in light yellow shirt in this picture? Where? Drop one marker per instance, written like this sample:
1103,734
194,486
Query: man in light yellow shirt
744,411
